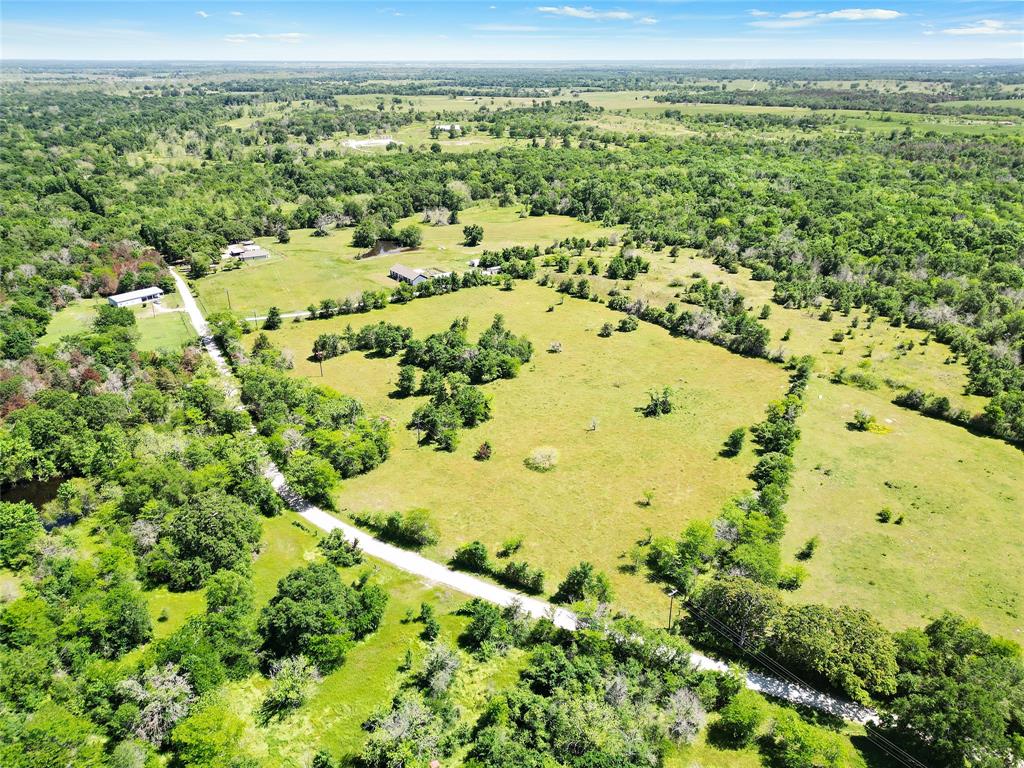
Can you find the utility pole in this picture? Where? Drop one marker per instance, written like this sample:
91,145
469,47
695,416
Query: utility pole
228,294
671,599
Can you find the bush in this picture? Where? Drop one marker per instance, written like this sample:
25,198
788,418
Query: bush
581,583
473,234
542,459
414,528
734,442
339,550
628,323
472,557
484,452
522,576
740,719
862,421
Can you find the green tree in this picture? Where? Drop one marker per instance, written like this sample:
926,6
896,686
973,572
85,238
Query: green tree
472,234
583,582
19,529
955,692
311,476
273,319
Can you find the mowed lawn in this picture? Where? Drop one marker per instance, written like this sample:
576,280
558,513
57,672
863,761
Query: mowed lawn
157,330
588,507
961,496
308,269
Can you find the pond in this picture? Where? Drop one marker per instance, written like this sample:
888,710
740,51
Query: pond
384,248
36,492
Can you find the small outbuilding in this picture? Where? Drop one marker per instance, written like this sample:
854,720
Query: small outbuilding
140,296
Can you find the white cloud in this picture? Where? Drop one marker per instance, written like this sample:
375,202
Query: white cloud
585,12
236,13
756,12
280,37
794,19
862,14
648,20
202,14
505,28
984,27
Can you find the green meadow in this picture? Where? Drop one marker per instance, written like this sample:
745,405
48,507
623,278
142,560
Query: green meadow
960,498
589,507
159,329
308,269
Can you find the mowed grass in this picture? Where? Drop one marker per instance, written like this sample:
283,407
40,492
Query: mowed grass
961,498
157,331
586,509
309,269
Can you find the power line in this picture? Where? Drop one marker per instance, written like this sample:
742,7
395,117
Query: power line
886,745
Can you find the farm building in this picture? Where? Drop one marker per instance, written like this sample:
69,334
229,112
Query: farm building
140,296
448,127
246,251
411,276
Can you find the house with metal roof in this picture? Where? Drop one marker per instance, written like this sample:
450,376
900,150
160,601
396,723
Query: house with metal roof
140,296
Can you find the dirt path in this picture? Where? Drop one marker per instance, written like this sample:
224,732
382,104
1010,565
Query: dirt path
416,564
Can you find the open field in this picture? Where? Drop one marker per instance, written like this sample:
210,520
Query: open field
309,269
587,508
161,330
874,348
961,497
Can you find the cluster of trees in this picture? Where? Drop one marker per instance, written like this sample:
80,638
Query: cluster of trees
452,366
382,339
517,574
723,319
315,434
937,248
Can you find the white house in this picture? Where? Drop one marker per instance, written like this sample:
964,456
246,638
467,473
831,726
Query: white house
246,251
140,296
411,276
448,127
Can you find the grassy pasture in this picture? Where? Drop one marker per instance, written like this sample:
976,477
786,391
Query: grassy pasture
962,498
869,349
309,269
160,331
588,507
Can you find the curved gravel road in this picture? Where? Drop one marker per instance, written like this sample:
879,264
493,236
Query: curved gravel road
473,586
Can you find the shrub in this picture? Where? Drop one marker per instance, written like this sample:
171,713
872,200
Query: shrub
862,421
484,452
606,330
734,442
628,323
414,528
581,583
740,719
472,557
339,550
522,576
807,551
542,459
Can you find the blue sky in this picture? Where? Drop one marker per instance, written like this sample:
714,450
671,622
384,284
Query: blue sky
286,30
